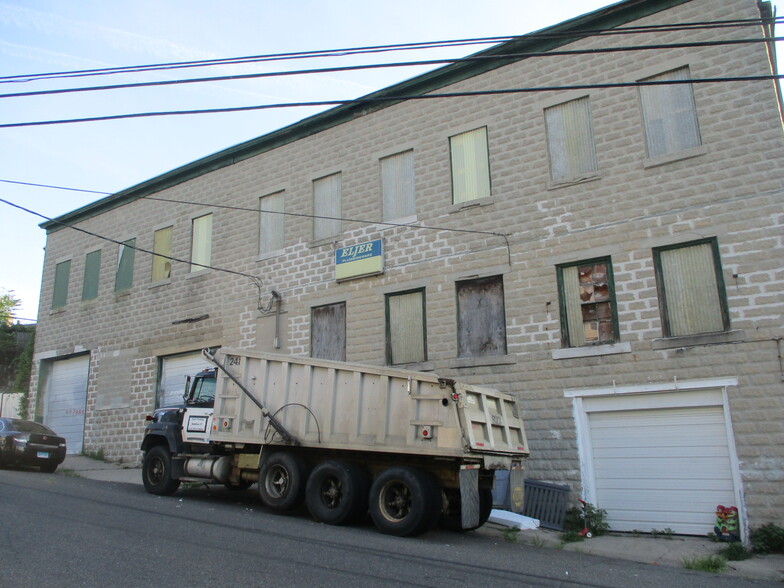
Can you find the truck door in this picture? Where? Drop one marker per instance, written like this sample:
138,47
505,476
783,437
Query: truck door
199,408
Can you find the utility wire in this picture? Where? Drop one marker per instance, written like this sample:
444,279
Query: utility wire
53,187
391,48
431,62
379,99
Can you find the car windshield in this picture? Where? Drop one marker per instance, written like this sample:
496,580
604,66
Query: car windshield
30,427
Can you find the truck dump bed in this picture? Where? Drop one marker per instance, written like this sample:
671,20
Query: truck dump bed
344,406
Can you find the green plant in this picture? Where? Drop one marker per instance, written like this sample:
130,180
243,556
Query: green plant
767,539
709,563
537,542
735,552
571,536
667,533
510,534
96,454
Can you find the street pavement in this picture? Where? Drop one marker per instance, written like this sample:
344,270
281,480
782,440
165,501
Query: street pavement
660,551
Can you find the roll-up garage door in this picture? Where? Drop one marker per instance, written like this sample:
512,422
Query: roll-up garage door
66,400
174,369
661,468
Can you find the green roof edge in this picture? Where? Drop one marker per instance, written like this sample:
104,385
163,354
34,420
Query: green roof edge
610,16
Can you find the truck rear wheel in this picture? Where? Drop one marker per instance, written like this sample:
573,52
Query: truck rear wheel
157,472
404,501
451,517
337,493
282,481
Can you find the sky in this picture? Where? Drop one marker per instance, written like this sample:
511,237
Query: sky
42,36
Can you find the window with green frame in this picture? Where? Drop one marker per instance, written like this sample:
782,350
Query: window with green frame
92,271
62,273
406,339
123,279
692,296
589,314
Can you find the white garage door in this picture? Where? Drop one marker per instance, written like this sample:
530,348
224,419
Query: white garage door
66,400
660,468
173,372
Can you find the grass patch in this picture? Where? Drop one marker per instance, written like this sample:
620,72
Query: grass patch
96,454
709,563
510,534
735,552
571,537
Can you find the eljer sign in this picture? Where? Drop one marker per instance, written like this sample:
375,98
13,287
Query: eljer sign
363,259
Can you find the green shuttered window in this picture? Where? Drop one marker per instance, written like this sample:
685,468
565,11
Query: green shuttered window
123,279
62,273
92,271
588,310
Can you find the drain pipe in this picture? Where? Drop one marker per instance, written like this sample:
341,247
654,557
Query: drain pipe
278,301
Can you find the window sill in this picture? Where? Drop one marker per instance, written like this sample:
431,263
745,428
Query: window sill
159,283
471,204
555,184
58,310
673,157
120,295
592,350
422,366
469,362
269,255
198,274
698,340
325,241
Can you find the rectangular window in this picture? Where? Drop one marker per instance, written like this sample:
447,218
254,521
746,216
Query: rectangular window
588,311
201,242
92,271
481,318
123,279
328,332
62,273
397,186
162,249
692,298
327,207
470,166
271,223
669,114
570,140
406,341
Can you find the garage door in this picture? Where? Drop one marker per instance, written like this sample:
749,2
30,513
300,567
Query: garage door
174,369
660,468
66,399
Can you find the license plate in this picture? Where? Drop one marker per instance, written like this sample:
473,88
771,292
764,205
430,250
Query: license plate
43,455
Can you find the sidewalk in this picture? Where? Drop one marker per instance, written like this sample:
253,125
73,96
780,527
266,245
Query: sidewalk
664,551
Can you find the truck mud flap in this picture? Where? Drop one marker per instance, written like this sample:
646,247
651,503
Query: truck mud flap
469,496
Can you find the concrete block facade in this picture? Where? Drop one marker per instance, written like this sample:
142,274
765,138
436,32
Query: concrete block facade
730,189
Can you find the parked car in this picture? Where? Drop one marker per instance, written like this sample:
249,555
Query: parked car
30,443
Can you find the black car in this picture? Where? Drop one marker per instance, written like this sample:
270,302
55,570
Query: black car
30,443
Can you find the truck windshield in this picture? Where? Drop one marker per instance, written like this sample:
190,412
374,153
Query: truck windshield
204,391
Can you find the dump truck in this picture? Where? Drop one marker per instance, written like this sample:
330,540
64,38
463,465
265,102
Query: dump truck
409,448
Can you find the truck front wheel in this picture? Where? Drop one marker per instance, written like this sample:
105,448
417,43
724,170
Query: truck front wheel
156,472
404,501
282,481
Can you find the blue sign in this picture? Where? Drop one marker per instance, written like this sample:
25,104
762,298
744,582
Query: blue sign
363,259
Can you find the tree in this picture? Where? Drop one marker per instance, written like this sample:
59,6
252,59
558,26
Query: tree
8,302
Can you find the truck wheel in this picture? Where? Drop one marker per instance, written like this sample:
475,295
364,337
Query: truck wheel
337,493
156,472
282,481
404,501
450,518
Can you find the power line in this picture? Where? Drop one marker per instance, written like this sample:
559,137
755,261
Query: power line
379,99
391,48
431,62
53,187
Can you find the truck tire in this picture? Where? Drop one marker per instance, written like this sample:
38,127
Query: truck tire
282,481
157,470
337,493
450,518
404,501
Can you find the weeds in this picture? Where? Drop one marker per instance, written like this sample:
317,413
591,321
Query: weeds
96,454
510,534
709,563
768,539
735,552
571,536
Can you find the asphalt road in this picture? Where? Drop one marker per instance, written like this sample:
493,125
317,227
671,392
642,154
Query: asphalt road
60,531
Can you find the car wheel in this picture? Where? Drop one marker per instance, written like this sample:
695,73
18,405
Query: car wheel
405,501
337,493
282,481
157,472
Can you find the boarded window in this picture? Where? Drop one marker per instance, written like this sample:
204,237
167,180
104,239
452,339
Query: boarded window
92,271
123,279
271,223
470,166
481,318
162,248
570,140
62,273
691,289
406,341
201,242
327,207
669,114
588,310
328,332
397,186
